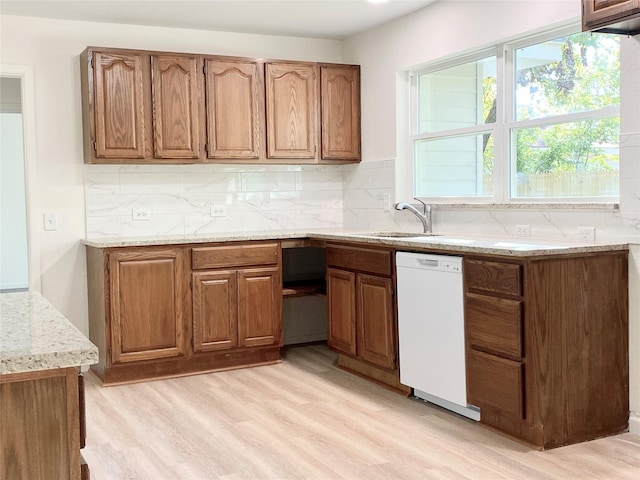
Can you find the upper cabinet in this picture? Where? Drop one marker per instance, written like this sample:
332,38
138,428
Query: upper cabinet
340,112
152,107
292,110
234,97
118,107
176,106
611,16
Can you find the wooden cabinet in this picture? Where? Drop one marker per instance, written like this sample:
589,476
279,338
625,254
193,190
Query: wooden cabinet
176,106
292,110
146,292
340,112
361,313
156,107
146,325
235,109
41,425
611,16
119,111
546,343
240,307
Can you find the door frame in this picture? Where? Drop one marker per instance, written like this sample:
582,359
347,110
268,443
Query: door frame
32,200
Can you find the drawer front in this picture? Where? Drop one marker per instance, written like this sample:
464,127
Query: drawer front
360,259
494,324
235,256
493,276
495,382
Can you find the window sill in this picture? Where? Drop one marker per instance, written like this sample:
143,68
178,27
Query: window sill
530,206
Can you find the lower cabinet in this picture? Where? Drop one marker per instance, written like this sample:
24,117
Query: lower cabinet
546,346
42,425
146,325
361,311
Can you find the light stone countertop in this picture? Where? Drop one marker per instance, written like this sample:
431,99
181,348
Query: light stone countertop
35,336
517,247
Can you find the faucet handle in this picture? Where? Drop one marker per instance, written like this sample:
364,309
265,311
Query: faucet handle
426,207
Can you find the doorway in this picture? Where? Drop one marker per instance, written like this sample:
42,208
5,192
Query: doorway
19,247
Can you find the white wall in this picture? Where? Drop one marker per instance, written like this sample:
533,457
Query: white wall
52,48
448,28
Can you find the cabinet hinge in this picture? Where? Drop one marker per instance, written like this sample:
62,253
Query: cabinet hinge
95,146
315,149
204,68
206,148
190,285
91,62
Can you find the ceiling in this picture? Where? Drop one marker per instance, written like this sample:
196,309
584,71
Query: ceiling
330,19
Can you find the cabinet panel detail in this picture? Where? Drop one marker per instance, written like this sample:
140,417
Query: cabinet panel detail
292,113
214,311
362,259
494,324
234,256
376,336
259,306
493,276
496,382
235,109
119,106
341,294
340,87
146,304
175,106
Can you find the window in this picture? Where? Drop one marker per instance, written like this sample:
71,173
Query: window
531,121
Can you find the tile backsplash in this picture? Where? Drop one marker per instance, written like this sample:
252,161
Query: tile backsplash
179,198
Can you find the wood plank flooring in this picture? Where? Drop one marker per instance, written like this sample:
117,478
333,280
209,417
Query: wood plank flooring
306,419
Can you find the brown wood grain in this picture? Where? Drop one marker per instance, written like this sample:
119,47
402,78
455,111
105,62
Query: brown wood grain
376,335
494,324
215,310
176,105
340,112
600,13
491,276
292,110
235,255
259,306
235,108
341,305
377,261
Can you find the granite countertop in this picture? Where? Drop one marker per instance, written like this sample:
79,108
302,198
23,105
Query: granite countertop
35,336
518,247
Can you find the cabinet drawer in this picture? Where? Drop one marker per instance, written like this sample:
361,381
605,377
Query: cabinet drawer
496,382
493,276
234,256
361,259
494,323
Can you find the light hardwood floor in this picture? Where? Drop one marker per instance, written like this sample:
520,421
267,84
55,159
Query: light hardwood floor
306,419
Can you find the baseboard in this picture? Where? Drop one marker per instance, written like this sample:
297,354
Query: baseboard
634,424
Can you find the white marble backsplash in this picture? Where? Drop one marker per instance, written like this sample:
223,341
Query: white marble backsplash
179,198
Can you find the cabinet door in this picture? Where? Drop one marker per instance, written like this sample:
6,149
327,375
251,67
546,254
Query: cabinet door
119,105
340,114
146,304
600,12
235,109
375,325
292,110
341,302
259,306
215,311
176,94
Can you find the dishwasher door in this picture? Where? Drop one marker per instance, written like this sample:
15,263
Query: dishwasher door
431,329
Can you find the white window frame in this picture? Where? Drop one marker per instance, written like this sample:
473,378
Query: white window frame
504,168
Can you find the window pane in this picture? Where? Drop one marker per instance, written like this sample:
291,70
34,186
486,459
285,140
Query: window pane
577,159
457,97
454,166
570,74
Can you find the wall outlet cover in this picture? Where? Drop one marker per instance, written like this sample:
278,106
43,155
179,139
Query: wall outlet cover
141,214
218,211
587,234
523,230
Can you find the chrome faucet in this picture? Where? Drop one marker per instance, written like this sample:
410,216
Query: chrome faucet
425,217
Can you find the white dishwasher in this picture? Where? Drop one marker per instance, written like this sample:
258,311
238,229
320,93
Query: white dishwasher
431,329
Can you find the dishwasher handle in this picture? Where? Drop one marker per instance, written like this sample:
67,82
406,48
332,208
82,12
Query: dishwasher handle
428,262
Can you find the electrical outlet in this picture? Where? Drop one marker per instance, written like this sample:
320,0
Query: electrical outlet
523,230
141,214
50,221
588,234
218,211
387,202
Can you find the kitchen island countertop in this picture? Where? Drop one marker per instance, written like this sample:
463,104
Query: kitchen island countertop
35,336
